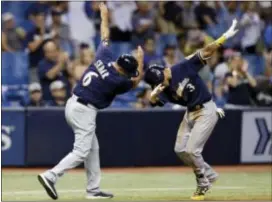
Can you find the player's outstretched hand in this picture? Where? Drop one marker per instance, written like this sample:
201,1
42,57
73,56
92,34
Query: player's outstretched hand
220,112
232,30
159,88
103,10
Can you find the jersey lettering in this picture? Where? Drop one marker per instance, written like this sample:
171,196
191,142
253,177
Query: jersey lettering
101,69
88,78
190,87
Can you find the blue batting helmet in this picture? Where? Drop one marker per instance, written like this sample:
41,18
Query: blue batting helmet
129,64
154,74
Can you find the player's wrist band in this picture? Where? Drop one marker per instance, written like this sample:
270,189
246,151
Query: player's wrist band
220,41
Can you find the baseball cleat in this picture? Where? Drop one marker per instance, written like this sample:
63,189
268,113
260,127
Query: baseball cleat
200,192
48,186
99,195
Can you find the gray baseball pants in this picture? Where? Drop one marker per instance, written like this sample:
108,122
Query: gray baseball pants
194,131
82,120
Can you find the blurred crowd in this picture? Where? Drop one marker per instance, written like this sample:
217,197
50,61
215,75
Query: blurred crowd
240,73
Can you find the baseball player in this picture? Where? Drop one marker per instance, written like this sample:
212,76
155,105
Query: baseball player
100,83
181,84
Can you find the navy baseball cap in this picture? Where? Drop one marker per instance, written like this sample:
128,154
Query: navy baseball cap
154,75
129,64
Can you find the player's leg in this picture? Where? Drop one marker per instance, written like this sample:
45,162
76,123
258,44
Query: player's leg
210,173
92,166
82,121
203,127
182,139
93,172
180,148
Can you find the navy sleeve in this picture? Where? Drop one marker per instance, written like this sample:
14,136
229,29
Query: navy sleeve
104,53
194,63
125,86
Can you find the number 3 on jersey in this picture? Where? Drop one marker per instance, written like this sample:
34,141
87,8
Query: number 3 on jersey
87,79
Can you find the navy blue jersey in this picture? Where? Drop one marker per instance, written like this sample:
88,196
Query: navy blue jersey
186,87
100,83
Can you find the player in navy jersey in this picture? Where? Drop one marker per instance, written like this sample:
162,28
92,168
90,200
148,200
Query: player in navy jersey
182,85
102,81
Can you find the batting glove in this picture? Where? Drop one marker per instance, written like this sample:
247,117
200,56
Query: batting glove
232,30
220,112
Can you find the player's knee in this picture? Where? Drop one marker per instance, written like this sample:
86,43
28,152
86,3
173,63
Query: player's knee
179,149
192,151
180,152
82,154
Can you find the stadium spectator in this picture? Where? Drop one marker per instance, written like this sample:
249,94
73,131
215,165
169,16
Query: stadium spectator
150,57
205,15
52,68
63,35
181,41
143,23
239,82
222,68
170,55
12,36
35,94
59,94
188,14
121,25
80,64
267,32
195,39
252,28
226,12
219,93
61,7
42,6
92,11
168,17
263,96
35,41
251,23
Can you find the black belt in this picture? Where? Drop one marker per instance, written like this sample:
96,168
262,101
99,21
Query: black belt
197,107
81,101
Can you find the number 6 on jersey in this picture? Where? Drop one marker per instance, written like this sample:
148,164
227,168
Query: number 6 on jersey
88,78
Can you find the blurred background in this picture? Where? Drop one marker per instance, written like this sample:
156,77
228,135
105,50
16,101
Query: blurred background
33,96
168,32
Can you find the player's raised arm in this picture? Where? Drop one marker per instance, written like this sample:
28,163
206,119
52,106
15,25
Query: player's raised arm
208,50
104,27
140,59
